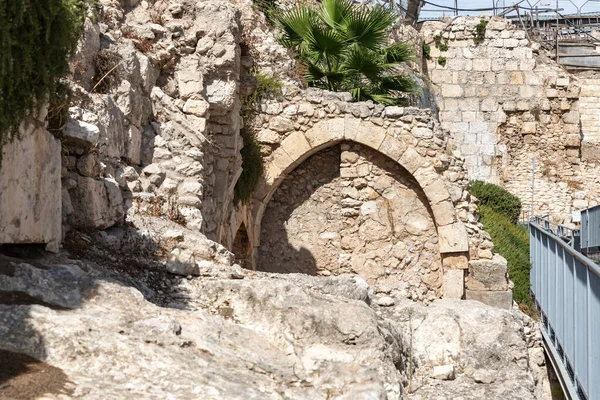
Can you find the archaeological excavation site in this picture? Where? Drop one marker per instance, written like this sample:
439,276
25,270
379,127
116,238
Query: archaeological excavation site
314,200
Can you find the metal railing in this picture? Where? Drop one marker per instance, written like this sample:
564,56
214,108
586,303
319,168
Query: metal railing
566,233
566,288
590,229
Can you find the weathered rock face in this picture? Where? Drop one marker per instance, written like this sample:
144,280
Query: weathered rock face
30,195
349,209
175,83
238,334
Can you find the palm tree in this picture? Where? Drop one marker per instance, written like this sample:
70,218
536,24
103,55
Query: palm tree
344,47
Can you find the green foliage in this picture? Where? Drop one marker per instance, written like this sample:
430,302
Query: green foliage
441,60
267,86
511,242
36,41
441,42
252,159
480,32
252,168
426,51
344,47
498,199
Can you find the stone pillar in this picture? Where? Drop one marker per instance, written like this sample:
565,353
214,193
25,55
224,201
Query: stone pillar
30,188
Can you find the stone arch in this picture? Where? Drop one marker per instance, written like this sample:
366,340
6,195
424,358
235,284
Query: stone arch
299,145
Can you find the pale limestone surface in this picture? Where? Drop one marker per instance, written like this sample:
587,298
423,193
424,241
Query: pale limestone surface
504,102
235,334
30,191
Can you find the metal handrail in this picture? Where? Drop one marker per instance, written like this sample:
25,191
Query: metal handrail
566,287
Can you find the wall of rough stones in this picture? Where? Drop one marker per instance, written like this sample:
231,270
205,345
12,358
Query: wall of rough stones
351,210
30,203
302,123
505,102
165,135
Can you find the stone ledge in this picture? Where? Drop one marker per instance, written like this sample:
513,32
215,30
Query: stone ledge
495,298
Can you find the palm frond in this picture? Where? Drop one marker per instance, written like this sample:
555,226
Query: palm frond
334,12
363,62
368,27
296,24
398,53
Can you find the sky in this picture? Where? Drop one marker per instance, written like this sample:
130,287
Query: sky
570,7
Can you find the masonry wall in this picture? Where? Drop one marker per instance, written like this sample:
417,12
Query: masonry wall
351,210
30,201
504,102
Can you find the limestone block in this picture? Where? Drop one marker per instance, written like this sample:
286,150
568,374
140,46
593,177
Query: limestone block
296,146
498,299
196,106
453,238
516,78
371,135
327,131
454,283
92,205
221,94
352,126
444,213
422,133
562,82
189,79
411,160
455,261
489,104
436,191
281,159
394,111
281,124
392,147
571,117
551,93
268,136
529,128
573,140
452,90
30,188
488,274
484,64
82,133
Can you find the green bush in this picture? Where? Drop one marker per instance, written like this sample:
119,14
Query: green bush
252,168
511,242
497,199
252,159
36,41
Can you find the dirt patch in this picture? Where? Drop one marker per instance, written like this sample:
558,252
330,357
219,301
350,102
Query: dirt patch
24,378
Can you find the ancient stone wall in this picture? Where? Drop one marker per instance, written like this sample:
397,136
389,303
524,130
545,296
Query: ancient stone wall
302,123
30,203
162,137
505,102
351,210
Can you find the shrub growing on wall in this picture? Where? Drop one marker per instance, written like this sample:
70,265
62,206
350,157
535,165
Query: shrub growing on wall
36,39
511,241
497,199
344,46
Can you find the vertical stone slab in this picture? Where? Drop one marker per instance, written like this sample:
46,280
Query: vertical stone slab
30,188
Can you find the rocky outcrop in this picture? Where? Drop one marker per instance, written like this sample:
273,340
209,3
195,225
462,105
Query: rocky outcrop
234,334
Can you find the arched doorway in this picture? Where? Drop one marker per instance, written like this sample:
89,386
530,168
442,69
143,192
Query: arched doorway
349,209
